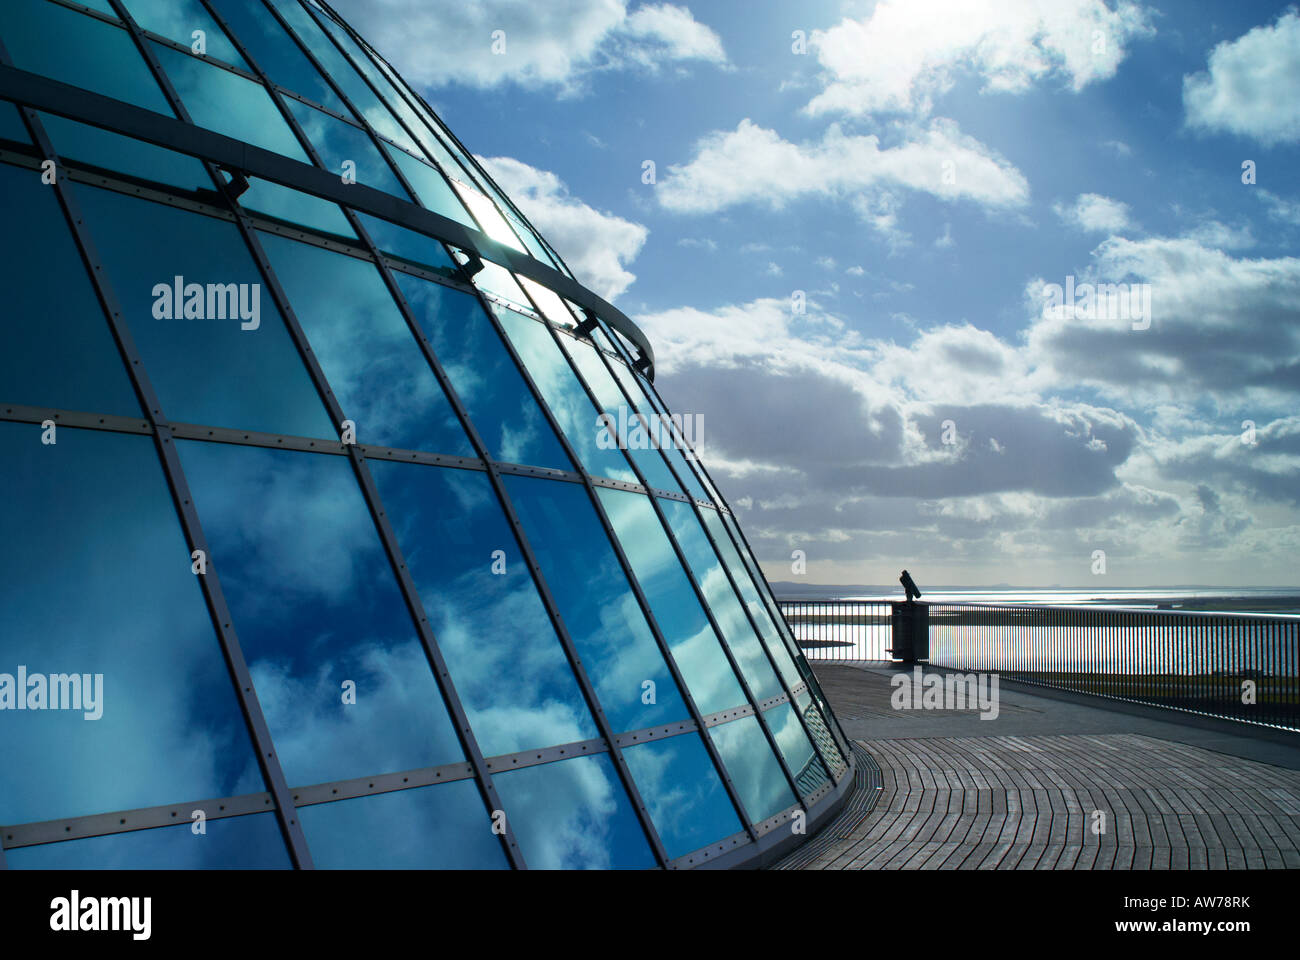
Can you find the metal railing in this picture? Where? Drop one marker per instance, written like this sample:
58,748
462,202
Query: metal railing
1242,667
840,629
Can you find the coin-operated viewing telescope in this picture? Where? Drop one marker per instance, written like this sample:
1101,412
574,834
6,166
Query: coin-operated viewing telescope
910,586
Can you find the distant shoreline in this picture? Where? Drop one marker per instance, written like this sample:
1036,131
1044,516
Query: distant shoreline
1201,599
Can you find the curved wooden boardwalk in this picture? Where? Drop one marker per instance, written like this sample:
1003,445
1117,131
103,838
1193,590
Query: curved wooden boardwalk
1031,802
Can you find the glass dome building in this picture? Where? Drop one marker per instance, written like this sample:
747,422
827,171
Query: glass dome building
342,526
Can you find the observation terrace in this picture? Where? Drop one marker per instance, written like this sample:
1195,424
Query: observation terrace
1111,739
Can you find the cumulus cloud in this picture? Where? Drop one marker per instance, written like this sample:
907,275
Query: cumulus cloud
991,457
597,246
752,164
1247,88
905,53
558,43
1094,213
1221,326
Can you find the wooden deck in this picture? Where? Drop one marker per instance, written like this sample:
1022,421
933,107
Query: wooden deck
1017,802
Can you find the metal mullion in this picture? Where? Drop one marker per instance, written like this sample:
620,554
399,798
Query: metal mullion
664,649
543,589
366,49
829,768
201,57
77,7
329,36
787,635
209,583
690,576
783,628
273,93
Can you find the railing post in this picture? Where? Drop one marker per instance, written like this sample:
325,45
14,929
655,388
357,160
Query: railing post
910,624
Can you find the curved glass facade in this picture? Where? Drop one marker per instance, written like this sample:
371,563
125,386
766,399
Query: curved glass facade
342,527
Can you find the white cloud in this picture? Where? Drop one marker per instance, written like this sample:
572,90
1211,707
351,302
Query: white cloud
1222,327
556,43
1250,86
1279,208
674,34
597,246
907,52
752,164
1094,213
837,449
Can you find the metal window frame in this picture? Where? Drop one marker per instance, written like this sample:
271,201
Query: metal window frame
75,103
169,463
664,649
681,559
391,544
84,826
741,543
548,601
731,581
370,494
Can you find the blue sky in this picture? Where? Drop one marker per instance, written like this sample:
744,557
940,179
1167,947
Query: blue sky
920,173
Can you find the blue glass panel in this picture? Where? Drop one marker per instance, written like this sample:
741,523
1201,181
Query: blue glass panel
112,151
624,425
145,246
529,238
338,144
409,245
379,80
363,99
169,726
667,434
430,133
316,605
695,647
563,393
796,749
500,281
753,768
756,576
262,196
434,193
227,103
573,815
11,124
820,732
275,52
251,842
688,804
441,827
56,42
603,618
749,594
501,407
505,659
177,20
730,615
59,350
367,351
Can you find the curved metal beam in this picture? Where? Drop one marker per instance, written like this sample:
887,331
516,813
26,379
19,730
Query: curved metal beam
117,116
